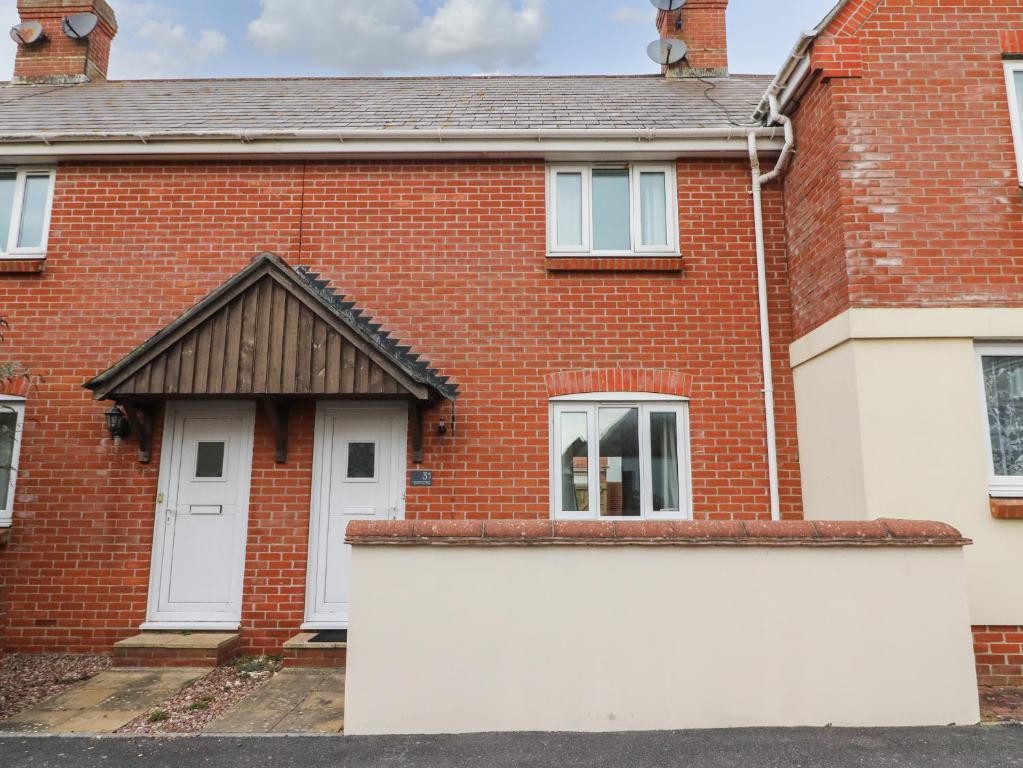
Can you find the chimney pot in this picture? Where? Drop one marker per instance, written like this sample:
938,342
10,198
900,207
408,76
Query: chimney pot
58,58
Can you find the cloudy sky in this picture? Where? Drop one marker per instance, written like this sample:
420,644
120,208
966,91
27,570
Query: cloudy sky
249,38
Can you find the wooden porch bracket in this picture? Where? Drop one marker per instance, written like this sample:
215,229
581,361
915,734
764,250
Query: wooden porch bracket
415,418
278,413
140,417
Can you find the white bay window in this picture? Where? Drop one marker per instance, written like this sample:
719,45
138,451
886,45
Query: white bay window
1001,371
620,456
26,197
612,210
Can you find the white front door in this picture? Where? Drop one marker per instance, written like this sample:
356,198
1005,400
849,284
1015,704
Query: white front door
358,474
202,516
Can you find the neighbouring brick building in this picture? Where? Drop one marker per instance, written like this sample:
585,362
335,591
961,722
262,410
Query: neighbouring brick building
497,298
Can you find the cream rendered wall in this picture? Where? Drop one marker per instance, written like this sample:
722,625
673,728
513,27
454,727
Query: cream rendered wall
830,443
612,638
907,412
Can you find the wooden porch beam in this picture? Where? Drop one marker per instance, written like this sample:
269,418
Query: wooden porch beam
415,418
140,417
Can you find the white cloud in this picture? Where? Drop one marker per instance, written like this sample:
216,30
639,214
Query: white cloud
153,43
630,14
360,37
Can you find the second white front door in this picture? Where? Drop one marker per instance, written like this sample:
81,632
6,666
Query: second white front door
358,474
201,516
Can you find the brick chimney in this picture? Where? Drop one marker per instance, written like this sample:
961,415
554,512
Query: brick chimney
59,58
704,31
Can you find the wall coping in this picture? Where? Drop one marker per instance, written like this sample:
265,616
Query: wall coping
761,533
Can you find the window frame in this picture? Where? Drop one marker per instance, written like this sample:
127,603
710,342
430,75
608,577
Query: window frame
11,249
999,486
16,404
591,403
635,214
1015,118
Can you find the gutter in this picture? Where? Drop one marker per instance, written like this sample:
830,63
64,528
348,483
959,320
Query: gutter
382,135
552,143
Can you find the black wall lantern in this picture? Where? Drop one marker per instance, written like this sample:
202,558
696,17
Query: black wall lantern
117,424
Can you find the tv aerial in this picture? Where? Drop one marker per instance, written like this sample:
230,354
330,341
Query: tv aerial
668,50
27,33
79,26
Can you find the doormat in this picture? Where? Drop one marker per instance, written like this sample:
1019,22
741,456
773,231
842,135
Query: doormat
330,636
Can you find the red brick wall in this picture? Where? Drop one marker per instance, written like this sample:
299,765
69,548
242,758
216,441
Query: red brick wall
931,212
999,652
449,256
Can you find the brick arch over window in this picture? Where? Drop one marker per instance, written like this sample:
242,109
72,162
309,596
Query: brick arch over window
650,380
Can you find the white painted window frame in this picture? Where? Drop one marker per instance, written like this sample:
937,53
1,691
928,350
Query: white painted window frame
999,486
16,404
10,249
1015,118
635,214
648,404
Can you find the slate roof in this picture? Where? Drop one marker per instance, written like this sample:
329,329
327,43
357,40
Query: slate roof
180,107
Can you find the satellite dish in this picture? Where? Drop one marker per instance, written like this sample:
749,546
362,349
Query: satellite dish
667,5
668,50
78,26
27,33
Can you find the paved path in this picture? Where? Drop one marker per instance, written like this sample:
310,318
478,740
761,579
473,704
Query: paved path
104,703
294,701
977,747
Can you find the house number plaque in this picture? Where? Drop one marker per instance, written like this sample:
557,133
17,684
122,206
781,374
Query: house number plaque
422,479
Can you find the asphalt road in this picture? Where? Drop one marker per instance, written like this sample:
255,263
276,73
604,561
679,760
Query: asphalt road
976,747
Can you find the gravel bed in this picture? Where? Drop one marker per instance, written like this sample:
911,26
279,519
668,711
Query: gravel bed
192,709
1001,705
28,678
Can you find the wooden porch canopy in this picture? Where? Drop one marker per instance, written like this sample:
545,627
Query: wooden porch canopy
272,332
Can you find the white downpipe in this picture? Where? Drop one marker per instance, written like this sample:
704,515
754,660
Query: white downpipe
765,321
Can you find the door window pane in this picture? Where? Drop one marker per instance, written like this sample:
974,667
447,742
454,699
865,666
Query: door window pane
664,461
619,462
33,212
612,228
653,208
1003,384
7,184
8,427
575,462
569,209
361,461
209,460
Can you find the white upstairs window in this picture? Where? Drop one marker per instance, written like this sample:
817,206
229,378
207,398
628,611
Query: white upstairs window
620,456
12,418
1014,84
612,210
26,197
1001,372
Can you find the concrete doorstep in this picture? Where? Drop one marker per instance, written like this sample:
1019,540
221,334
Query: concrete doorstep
103,704
294,701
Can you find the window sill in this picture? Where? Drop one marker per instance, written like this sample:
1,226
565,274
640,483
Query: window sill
582,263
1006,508
22,265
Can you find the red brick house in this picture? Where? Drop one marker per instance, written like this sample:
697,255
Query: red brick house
314,301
